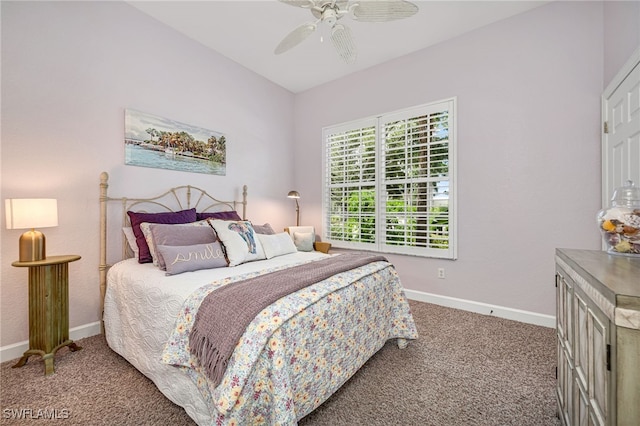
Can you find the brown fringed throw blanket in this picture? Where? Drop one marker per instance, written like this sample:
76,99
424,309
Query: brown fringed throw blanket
225,313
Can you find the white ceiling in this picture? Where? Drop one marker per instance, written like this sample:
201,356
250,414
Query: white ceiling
248,31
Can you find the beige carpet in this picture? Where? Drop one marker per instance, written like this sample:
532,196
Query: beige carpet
466,369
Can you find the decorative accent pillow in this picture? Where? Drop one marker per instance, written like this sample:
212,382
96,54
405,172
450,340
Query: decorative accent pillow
181,259
131,240
265,229
144,227
239,241
303,240
228,215
177,235
277,244
183,216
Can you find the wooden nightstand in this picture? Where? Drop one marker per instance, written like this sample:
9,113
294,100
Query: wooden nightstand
48,308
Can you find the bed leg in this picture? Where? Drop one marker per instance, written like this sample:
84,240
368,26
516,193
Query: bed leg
403,343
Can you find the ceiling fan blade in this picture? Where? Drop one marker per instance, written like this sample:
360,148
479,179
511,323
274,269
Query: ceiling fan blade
343,42
295,37
299,3
383,11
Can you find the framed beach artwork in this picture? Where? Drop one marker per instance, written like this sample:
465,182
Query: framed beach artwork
153,141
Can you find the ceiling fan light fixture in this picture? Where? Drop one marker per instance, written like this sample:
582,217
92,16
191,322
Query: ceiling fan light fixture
330,11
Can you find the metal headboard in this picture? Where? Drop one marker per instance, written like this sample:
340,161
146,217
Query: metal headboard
175,199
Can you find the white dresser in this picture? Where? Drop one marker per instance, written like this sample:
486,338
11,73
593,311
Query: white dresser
598,329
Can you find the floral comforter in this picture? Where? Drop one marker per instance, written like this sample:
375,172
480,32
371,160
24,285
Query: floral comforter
301,349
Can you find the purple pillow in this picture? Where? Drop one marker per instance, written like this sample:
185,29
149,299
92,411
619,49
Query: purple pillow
229,215
193,258
183,216
180,235
265,229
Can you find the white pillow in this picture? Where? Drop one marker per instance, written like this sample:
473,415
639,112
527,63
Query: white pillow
239,240
277,244
305,229
303,240
131,239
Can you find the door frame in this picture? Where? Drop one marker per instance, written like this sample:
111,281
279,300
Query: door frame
617,80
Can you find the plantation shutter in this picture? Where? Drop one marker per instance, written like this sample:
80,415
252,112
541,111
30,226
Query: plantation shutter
350,187
415,202
388,182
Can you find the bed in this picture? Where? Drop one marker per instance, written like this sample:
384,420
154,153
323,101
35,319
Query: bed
293,355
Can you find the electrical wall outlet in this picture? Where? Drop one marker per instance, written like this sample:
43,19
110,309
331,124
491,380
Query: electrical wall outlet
441,273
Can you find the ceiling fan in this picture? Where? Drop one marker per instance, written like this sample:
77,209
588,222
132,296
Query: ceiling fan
329,12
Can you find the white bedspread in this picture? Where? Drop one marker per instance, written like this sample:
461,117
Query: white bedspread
140,310
292,357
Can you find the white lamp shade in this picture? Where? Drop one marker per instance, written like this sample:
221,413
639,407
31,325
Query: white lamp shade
24,213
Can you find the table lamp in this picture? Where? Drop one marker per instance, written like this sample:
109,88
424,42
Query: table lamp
31,213
295,195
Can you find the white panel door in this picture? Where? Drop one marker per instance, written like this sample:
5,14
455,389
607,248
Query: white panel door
621,137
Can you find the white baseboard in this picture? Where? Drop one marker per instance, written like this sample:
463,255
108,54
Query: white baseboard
16,350
483,308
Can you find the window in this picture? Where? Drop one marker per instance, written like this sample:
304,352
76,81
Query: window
389,182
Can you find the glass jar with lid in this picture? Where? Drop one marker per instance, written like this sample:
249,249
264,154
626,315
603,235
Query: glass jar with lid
620,224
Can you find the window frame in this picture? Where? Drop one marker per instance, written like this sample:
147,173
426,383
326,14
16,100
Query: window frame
378,122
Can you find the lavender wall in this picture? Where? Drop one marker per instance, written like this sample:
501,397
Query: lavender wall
69,69
621,35
528,92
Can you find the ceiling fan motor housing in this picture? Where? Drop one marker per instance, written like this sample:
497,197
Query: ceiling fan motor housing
329,17
329,11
